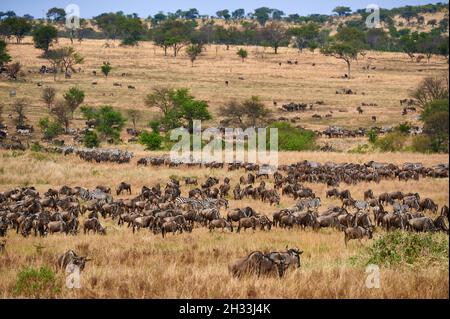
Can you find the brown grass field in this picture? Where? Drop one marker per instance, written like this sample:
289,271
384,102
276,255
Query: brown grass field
195,265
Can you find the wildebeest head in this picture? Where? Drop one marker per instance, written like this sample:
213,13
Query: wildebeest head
279,261
80,262
295,253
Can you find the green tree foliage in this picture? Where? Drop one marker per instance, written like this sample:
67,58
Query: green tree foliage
306,35
173,34
275,35
262,15
346,45
193,51
152,141
248,113
50,128
109,122
57,15
435,116
178,106
238,14
74,97
91,140
4,56
242,53
342,10
15,27
106,69
293,139
224,14
44,36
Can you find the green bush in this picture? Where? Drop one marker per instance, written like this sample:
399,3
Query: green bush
400,247
37,283
293,139
392,142
373,136
154,124
422,144
90,140
36,147
152,141
403,128
50,128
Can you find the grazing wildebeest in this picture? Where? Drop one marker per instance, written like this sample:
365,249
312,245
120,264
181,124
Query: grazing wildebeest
291,256
123,187
220,223
170,227
71,258
428,204
368,194
357,232
94,225
57,227
247,222
421,224
258,263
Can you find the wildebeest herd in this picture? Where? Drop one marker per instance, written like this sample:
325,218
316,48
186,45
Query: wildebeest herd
163,209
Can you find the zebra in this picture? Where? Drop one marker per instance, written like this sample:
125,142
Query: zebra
199,204
96,194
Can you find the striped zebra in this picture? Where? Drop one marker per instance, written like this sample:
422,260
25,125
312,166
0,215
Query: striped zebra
95,194
199,204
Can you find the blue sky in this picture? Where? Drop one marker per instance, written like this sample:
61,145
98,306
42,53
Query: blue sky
90,8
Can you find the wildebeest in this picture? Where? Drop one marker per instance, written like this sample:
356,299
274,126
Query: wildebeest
220,223
258,263
94,225
123,187
428,204
57,227
357,232
247,222
170,227
71,258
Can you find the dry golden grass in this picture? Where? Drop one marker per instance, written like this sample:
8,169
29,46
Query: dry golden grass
195,265
393,79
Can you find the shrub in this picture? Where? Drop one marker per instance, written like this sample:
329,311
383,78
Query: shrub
154,124
90,140
293,139
373,136
35,283
436,124
404,128
392,142
152,141
36,147
50,129
360,149
407,248
422,144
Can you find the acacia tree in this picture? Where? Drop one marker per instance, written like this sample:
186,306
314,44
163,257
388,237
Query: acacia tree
106,68
62,113
16,27
133,115
74,97
70,58
250,112
48,96
4,56
346,45
19,107
44,36
193,51
242,53
275,35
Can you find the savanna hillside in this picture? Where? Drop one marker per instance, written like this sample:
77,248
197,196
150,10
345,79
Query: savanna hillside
194,265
